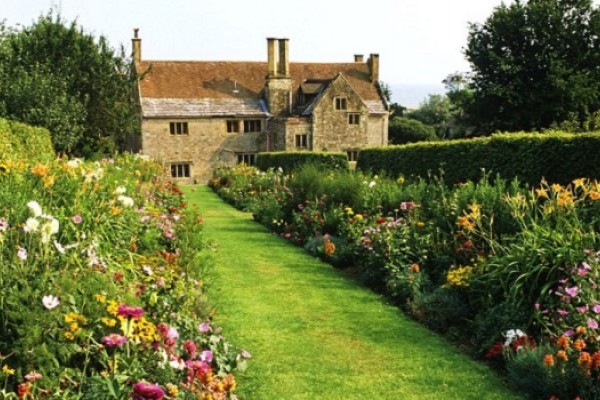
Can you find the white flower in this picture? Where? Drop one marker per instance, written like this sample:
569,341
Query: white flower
22,253
74,163
126,201
147,270
59,247
48,229
31,225
511,335
120,190
50,302
35,208
371,184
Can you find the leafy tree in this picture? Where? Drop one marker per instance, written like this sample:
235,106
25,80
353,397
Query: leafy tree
405,130
436,111
534,63
57,76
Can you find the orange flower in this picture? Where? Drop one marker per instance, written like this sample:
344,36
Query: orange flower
40,170
329,247
415,267
24,389
581,330
579,344
594,195
585,359
549,360
562,355
563,342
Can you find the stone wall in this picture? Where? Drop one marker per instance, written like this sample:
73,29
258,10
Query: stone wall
205,147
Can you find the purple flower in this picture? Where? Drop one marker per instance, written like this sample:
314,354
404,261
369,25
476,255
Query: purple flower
596,308
592,323
586,266
147,391
204,327
572,291
569,333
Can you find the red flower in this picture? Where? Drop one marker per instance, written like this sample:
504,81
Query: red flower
495,350
130,311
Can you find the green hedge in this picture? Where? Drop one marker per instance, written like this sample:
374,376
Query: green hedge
290,160
23,142
559,157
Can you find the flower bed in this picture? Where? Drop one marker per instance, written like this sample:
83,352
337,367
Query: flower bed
478,261
101,291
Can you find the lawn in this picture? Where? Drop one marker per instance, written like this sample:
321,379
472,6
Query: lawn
315,333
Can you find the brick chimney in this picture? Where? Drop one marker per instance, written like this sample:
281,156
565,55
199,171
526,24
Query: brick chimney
358,58
136,45
279,83
373,63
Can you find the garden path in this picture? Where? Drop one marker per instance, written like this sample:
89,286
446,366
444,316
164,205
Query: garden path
314,333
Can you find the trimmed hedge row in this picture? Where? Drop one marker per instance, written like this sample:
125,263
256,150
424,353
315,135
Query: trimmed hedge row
559,157
23,142
290,160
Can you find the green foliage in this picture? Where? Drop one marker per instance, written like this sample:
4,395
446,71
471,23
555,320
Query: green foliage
557,157
25,143
405,130
436,111
534,65
55,75
291,160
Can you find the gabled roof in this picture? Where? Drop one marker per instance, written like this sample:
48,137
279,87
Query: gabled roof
240,82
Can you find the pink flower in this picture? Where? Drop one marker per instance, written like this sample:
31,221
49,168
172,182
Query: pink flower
147,391
114,340
204,327
245,354
582,309
130,311
198,365
572,291
173,334
569,332
77,219
207,356
562,312
592,324
33,376
596,308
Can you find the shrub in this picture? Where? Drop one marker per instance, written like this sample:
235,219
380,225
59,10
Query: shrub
291,160
23,142
406,130
558,157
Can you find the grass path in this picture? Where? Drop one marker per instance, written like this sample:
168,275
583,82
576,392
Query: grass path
315,334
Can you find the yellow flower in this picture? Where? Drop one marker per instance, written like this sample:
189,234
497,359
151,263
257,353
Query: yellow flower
7,370
172,390
48,181
466,223
420,224
114,211
459,276
113,307
4,168
400,180
74,317
579,182
475,210
69,335
100,298
556,188
349,211
358,217
541,193
110,322
565,199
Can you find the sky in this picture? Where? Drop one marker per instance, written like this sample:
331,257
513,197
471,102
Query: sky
419,42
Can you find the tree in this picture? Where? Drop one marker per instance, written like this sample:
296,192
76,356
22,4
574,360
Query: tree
405,130
534,64
57,76
436,111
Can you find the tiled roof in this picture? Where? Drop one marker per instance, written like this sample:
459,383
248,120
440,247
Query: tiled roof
239,80
187,108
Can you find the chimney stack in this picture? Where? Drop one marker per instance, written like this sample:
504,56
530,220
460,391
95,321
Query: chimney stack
278,56
373,63
272,57
136,45
284,58
358,58
278,91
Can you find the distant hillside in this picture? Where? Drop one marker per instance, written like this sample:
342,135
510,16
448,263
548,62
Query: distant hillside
410,95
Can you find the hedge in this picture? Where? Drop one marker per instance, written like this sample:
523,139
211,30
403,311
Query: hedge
23,142
559,157
290,160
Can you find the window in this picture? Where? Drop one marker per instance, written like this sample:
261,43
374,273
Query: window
341,103
252,125
180,170
352,155
353,119
302,141
178,128
246,158
233,126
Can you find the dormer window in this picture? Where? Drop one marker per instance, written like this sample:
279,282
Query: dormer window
341,103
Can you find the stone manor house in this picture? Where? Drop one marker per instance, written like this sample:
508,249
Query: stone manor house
198,115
